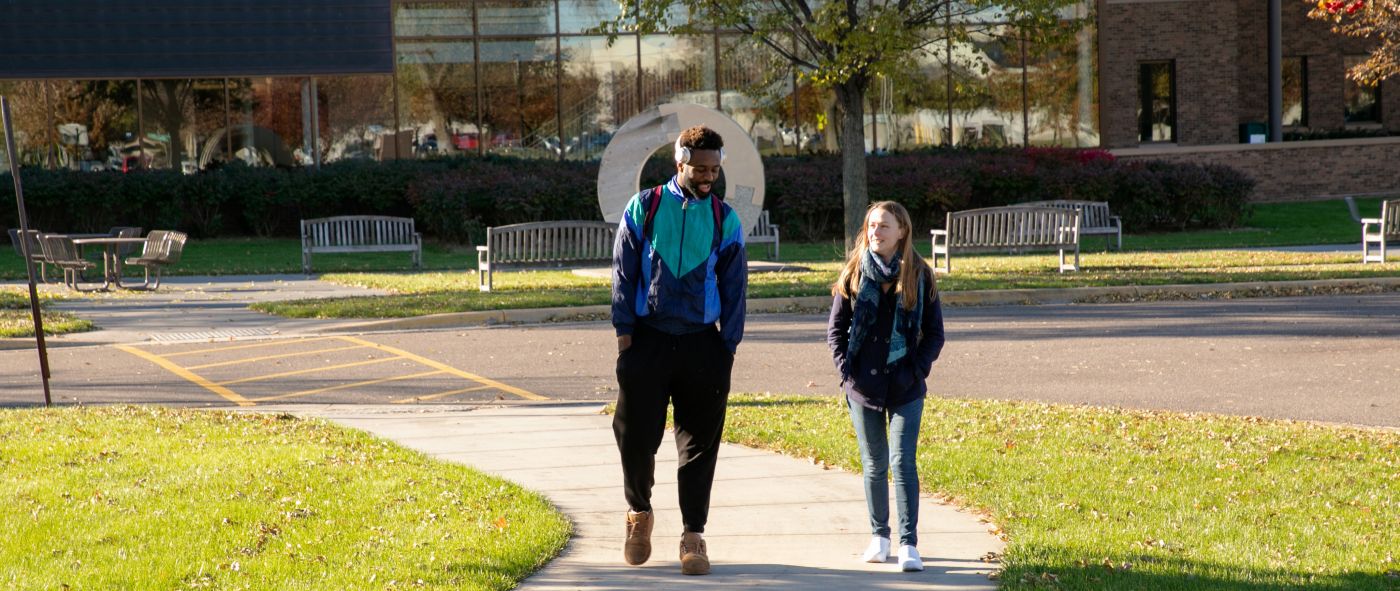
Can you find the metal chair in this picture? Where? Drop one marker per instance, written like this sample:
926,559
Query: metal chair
162,249
62,253
36,251
125,232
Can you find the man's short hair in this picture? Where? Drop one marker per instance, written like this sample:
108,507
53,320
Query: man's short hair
700,138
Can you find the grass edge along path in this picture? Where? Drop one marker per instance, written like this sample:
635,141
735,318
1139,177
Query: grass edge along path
152,498
433,293
17,321
1107,498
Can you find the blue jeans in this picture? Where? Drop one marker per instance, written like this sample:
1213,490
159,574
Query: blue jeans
876,456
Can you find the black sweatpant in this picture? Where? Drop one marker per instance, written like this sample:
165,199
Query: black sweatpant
692,373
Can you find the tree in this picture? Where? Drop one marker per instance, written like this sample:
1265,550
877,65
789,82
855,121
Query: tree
842,45
1359,18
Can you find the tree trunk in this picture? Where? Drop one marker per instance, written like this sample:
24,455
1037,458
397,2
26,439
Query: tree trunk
850,97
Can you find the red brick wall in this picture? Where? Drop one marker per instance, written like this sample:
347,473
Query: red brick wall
1221,53
1324,51
1200,35
1298,171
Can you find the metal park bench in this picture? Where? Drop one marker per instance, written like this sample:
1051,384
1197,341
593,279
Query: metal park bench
1095,219
162,249
764,232
1002,228
543,244
359,233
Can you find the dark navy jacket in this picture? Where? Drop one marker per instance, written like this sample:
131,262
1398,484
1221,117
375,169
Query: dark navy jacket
865,379
675,280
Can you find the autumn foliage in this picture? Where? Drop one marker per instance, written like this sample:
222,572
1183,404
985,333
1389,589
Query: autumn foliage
1374,19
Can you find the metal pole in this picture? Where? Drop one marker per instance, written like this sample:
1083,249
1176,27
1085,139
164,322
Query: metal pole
24,248
948,67
1275,71
1025,95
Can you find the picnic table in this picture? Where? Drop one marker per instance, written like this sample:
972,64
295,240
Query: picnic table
111,255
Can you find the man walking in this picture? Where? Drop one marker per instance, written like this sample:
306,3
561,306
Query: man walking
678,268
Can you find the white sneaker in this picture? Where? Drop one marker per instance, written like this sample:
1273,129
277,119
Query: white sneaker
909,560
877,551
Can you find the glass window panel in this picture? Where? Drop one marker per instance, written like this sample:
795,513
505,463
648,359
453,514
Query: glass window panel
437,97
1157,106
267,122
167,116
518,98
678,69
598,92
919,100
986,75
1363,103
515,17
1060,88
201,133
433,19
756,91
30,120
88,118
1295,91
578,16
357,118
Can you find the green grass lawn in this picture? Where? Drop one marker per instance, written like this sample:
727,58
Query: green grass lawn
433,293
16,319
1270,224
1093,498
150,498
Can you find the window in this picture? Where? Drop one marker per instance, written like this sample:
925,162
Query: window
1157,102
1363,102
1295,91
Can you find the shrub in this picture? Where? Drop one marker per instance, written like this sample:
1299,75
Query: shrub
455,199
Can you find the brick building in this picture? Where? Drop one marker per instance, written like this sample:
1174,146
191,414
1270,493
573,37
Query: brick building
1182,80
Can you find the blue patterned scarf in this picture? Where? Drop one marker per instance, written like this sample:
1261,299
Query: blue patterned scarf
873,273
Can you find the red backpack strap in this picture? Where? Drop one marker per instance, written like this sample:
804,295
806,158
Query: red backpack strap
651,211
719,222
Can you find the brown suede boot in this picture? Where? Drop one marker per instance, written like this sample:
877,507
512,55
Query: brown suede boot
637,549
694,559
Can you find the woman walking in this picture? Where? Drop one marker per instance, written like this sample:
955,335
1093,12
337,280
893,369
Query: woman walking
885,331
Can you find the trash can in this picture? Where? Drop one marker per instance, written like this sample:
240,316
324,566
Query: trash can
1254,132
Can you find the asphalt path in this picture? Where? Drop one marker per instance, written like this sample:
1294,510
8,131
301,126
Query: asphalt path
1331,358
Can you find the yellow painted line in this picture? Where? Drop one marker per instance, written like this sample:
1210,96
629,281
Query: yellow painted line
526,394
228,394
442,394
249,346
302,371
267,357
344,386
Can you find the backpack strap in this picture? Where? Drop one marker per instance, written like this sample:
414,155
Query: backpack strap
719,222
715,206
651,211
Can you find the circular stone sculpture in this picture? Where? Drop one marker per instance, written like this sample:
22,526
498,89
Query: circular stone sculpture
621,169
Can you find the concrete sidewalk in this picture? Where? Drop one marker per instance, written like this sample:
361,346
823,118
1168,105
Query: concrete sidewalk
775,523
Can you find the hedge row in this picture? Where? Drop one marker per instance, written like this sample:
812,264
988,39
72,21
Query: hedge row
453,200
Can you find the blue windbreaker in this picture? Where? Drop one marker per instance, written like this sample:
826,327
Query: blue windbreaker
675,280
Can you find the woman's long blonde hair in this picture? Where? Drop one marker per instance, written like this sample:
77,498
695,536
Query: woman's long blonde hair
912,266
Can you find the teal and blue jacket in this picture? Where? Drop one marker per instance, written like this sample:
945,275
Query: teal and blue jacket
682,277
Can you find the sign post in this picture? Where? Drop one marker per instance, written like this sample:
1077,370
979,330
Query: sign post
24,246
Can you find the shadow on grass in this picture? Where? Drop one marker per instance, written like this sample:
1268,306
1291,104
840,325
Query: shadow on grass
1151,572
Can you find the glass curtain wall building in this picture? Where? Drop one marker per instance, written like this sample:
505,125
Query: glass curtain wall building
526,78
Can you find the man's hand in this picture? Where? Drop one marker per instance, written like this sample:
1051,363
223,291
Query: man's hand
624,342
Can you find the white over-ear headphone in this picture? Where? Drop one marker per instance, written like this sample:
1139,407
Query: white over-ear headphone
683,153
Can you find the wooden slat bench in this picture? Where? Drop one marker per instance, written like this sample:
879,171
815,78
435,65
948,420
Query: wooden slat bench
1378,231
764,232
1001,228
359,233
1095,219
543,244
